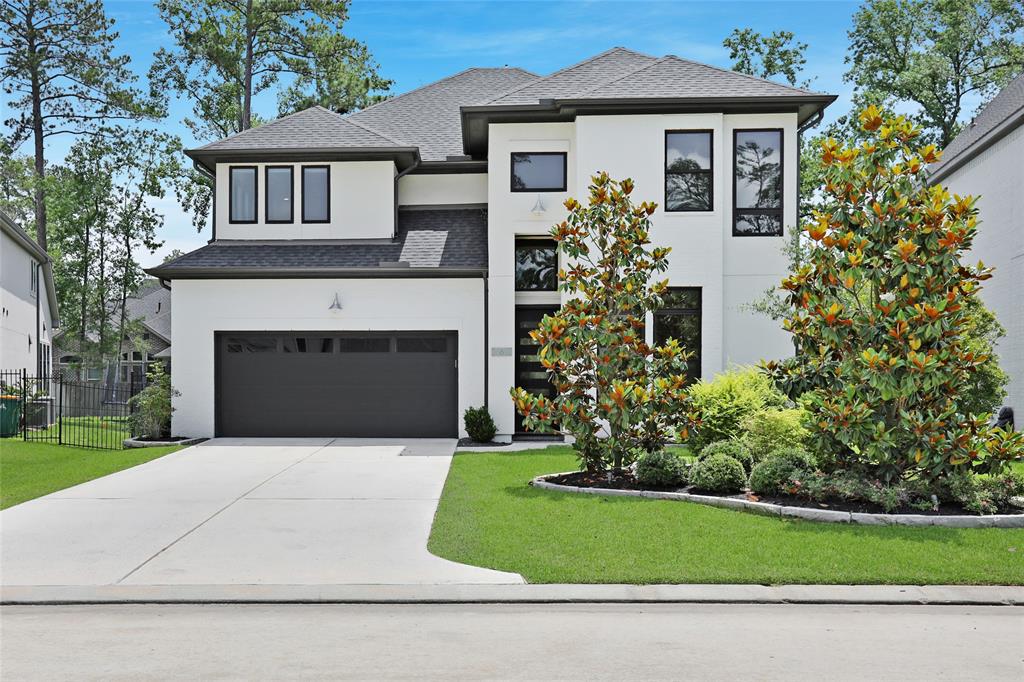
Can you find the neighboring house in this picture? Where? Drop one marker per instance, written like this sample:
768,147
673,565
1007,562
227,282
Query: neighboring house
28,300
149,310
376,274
987,160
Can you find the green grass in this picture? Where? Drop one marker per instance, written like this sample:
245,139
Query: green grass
85,431
32,469
488,516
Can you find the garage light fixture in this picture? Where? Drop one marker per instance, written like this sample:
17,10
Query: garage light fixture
336,304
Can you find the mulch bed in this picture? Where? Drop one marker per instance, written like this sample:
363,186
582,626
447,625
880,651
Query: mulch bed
470,443
626,481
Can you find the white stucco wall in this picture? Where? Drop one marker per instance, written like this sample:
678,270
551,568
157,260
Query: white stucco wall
362,203
18,308
996,175
731,271
202,307
433,190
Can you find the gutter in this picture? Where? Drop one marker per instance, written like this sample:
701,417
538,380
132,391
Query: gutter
204,171
806,125
314,273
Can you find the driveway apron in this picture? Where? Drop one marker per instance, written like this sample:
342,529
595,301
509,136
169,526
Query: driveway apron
245,511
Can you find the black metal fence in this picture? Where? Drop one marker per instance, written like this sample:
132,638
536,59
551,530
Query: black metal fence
57,410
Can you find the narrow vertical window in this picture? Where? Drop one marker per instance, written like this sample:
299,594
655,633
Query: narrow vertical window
242,188
688,178
278,190
679,318
316,197
757,183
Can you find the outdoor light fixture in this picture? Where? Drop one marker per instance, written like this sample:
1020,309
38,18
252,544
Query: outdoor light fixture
538,207
336,304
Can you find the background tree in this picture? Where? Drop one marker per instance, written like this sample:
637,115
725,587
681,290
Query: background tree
17,197
880,310
938,55
226,52
57,62
614,393
767,56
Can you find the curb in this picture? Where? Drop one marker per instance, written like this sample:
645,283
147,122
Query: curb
134,443
806,513
928,595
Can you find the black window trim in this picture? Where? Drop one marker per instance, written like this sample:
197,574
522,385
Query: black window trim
698,312
565,172
736,210
536,239
291,195
327,193
710,172
255,195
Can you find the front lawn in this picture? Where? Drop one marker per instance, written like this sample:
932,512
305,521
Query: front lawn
32,469
489,516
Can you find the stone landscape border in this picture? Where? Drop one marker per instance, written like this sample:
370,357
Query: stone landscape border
135,443
807,513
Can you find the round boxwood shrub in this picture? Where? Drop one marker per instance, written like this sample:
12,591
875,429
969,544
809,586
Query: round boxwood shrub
661,468
771,430
735,448
479,424
718,474
772,476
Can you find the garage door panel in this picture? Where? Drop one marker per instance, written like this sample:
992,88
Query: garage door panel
327,384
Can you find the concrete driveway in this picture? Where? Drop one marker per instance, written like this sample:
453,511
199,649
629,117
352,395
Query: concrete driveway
240,512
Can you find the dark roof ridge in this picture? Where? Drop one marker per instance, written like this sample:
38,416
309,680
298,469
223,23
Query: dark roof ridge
442,80
566,69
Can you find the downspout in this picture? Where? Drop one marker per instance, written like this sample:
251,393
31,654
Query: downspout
487,343
203,170
399,176
39,335
164,284
808,124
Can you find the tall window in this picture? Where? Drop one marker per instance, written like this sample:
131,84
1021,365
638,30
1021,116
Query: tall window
33,279
757,189
679,319
316,194
536,265
688,180
278,189
242,188
539,172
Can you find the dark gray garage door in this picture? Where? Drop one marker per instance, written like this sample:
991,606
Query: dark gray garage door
378,384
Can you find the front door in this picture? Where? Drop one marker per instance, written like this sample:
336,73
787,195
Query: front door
530,374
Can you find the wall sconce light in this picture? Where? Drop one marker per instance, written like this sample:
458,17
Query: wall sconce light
336,304
538,207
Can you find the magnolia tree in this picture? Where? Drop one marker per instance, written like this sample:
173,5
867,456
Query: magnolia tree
879,311
616,394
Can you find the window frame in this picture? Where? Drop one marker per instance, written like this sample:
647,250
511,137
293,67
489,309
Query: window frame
538,240
698,312
33,279
291,194
255,195
512,172
327,193
710,171
736,210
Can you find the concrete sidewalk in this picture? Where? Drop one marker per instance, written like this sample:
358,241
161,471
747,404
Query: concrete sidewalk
518,594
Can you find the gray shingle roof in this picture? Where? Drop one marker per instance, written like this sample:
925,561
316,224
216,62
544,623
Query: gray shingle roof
437,239
1000,116
429,117
313,128
152,306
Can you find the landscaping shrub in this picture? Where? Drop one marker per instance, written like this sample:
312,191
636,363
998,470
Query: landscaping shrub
479,424
985,495
662,468
735,448
725,401
718,474
770,430
151,407
774,475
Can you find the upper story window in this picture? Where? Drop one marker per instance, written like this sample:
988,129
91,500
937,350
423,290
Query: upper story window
536,265
278,190
688,179
33,279
242,191
539,171
757,183
316,194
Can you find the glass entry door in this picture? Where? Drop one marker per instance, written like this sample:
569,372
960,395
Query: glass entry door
530,374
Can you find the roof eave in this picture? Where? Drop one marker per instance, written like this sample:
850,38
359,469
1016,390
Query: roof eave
314,273
476,118
1007,126
404,157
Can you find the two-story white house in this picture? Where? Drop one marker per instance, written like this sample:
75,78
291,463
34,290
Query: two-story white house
28,303
376,274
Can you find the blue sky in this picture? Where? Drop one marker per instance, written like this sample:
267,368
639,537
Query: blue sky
417,42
